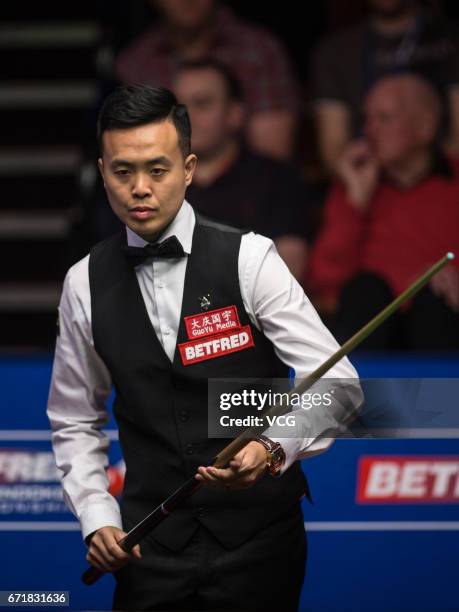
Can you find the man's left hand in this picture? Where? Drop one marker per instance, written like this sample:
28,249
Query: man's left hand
446,285
243,470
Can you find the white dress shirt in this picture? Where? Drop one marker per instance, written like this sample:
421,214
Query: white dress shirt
81,383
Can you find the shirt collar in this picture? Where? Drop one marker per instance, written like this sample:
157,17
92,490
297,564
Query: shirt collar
441,166
182,226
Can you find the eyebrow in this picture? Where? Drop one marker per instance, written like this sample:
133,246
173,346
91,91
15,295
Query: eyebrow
161,159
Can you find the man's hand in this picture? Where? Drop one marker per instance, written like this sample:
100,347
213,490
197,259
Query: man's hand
243,471
104,551
446,285
358,170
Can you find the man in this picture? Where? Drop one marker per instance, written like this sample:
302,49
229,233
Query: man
195,29
231,183
394,212
126,314
399,36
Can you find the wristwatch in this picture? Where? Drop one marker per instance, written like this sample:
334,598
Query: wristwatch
275,455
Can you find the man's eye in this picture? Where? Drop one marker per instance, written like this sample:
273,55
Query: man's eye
121,172
158,171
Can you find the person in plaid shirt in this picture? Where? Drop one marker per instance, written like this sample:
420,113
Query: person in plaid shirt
206,28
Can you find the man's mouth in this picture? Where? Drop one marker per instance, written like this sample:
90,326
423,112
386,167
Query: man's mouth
142,212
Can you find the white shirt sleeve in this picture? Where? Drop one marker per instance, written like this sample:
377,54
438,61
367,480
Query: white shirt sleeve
80,386
278,306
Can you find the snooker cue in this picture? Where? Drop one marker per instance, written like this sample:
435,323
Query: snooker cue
139,531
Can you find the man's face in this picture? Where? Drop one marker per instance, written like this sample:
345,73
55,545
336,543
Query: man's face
390,128
214,117
186,14
390,8
145,176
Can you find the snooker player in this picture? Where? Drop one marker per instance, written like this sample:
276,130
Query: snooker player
126,316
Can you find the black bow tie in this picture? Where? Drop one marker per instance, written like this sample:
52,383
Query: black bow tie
167,249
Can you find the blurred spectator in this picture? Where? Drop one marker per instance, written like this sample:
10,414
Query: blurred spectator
398,36
193,29
394,213
231,183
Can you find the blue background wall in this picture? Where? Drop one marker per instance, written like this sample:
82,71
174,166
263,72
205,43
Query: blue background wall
361,557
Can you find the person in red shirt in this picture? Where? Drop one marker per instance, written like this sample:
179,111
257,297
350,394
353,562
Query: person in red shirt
394,212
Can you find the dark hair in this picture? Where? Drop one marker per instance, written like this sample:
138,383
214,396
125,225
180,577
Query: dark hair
136,105
234,88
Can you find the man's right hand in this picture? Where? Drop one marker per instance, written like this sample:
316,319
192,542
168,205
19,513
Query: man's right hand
105,553
359,171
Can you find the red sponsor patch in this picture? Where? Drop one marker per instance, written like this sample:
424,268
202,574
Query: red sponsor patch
392,479
212,322
217,346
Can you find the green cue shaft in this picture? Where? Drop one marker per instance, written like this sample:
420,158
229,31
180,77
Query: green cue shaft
238,443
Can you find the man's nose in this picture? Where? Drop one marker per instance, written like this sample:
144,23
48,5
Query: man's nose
370,128
142,186
367,129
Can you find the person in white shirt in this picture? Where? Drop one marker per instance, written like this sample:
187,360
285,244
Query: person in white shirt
122,316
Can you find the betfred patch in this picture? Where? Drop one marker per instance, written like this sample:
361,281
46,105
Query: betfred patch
217,346
212,322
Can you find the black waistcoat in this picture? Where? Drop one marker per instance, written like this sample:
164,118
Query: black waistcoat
161,407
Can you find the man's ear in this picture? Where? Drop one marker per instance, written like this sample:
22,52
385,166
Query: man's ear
429,128
236,116
190,167
100,165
